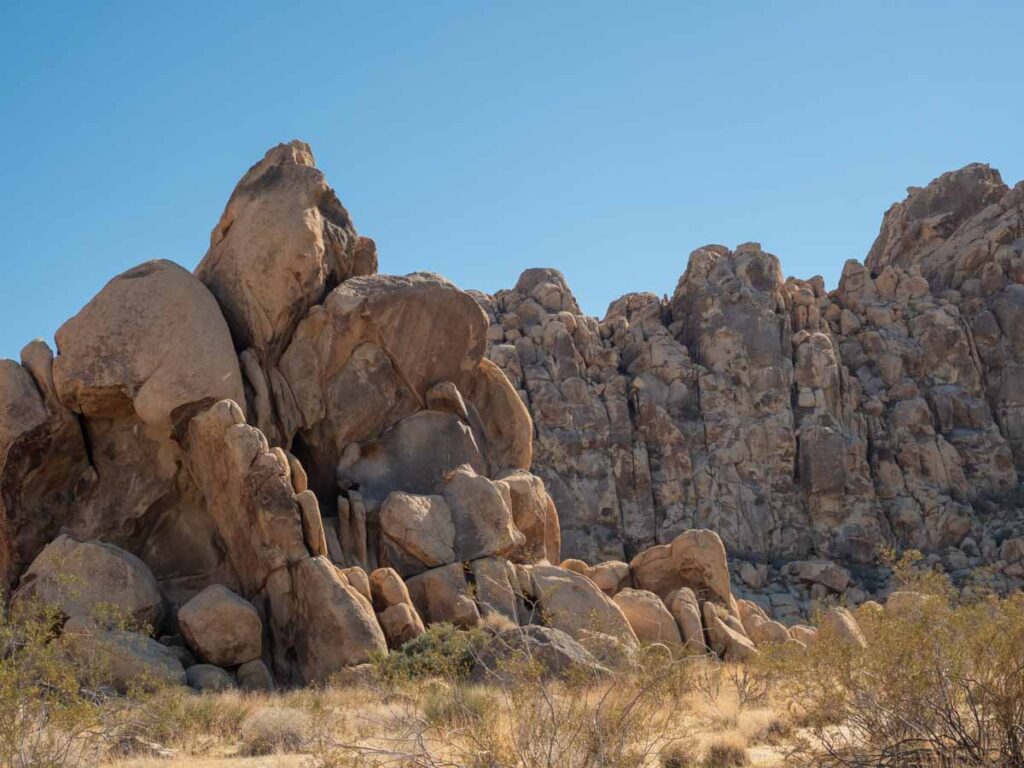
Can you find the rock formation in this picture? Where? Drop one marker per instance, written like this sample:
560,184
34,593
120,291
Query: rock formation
287,463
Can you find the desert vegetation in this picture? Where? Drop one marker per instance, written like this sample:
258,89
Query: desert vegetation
932,681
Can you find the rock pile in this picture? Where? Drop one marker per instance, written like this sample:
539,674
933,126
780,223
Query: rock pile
285,463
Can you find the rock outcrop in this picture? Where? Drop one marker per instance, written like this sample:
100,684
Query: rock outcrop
296,462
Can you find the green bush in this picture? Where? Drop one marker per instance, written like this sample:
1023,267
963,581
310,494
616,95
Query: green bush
442,651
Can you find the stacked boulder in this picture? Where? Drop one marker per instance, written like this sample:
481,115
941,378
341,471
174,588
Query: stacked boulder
200,423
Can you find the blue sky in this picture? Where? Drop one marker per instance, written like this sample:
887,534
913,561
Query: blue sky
479,139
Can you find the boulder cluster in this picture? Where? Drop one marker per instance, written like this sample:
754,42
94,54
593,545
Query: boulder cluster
285,463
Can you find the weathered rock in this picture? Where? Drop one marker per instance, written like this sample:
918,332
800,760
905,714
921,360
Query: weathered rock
207,677
803,633
504,418
283,240
648,617
725,638
221,627
685,609
496,585
554,652
695,559
417,532
480,514
131,661
611,577
254,676
535,516
572,603
153,343
87,579
442,595
401,623
839,625
335,625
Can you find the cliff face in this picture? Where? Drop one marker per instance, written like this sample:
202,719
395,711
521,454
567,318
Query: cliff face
793,421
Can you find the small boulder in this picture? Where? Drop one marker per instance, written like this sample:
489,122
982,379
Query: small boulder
221,627
611,577
207,677
254,676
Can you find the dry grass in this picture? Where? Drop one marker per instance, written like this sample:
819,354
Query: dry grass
434,722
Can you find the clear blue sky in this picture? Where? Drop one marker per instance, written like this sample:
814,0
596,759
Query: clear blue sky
475,140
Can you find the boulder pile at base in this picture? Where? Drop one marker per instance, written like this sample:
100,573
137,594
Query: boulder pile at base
285,463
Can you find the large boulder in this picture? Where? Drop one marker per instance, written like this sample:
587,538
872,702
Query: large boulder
367,358
695,559
335,625
87,579
443,595
572,603
154,343
417,532
480,514
648,616
535,515
283,240
221,627
504,418
685,609
129,660
547,650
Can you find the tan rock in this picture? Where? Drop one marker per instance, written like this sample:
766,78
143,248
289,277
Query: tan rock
695,559
611,577
481,517
685,609
803,633
282,240
534,514
153,342
358,580
442,595
648,616
88,579
221,628
572,603
417,532
725,634
506,422
401,624
335,625
839,625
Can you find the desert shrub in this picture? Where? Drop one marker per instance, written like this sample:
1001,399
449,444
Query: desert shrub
53,704
725,751
178,716
274,729
939,683
442,651
457,705
680,754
